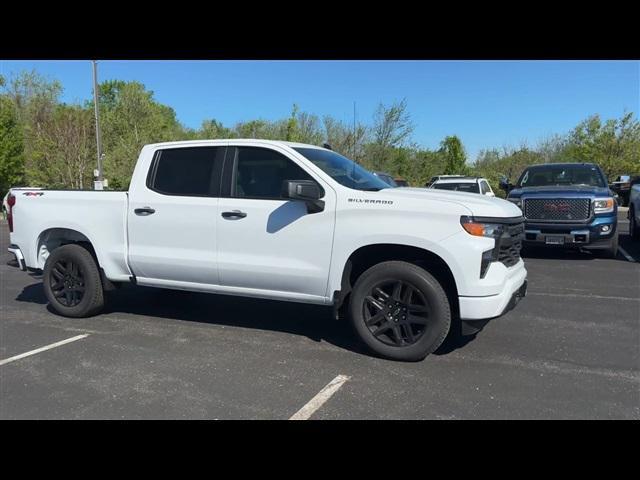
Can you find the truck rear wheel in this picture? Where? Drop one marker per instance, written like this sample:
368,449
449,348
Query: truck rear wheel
400,311
72,283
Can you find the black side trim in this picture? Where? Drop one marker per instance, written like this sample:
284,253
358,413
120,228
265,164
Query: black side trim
228,169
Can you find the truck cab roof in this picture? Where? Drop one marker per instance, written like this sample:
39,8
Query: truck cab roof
235,141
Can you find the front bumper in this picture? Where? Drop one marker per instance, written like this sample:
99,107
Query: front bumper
19,257
480,308
568,234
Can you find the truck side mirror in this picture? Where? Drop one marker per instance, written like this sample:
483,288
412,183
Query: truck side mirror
505,185
307,191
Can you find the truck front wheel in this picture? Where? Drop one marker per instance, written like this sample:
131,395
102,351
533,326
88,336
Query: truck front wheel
71,281
400,311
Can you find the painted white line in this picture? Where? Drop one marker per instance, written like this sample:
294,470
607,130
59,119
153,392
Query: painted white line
42,349
627,256
575,295
323,395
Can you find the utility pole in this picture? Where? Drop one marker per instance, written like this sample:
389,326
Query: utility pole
99,182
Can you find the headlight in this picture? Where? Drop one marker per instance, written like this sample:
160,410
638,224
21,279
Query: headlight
517,201
481,229
604,205
478,229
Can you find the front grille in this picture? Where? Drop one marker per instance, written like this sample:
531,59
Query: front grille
510,244
557,209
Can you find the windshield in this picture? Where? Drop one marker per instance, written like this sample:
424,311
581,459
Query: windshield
344,171
458,187
551,175
386,179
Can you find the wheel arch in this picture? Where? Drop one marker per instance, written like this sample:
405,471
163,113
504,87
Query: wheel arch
52,238
369,255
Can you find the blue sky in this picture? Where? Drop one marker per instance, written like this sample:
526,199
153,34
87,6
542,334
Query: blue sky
486,103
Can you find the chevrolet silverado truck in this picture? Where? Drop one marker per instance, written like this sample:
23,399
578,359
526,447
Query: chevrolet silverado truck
283,221
566,204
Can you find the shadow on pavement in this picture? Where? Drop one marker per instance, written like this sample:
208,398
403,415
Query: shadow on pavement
565,253
311,321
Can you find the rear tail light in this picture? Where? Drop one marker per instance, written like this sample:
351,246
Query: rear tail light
11,201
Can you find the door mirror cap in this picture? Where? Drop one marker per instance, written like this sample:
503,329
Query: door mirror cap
307,191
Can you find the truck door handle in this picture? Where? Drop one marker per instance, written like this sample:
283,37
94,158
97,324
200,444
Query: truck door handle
144,211
235,214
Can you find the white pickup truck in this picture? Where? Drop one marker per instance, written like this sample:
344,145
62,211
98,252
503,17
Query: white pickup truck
283,221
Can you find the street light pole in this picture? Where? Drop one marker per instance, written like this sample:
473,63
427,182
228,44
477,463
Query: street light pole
98,184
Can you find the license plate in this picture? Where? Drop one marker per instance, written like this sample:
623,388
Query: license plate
554,240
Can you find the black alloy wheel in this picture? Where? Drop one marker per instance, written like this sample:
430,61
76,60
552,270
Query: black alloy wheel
67,283
72,281
396,313
399,310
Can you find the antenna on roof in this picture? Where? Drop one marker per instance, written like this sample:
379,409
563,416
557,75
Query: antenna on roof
327,146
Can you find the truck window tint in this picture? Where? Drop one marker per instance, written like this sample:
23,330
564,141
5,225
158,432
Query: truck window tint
554,175
261,171
484,187
187,171
458,187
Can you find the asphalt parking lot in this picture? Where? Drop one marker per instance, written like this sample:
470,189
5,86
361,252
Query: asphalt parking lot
571,349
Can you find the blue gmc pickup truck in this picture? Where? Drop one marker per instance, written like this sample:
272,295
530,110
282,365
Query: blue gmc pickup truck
566,204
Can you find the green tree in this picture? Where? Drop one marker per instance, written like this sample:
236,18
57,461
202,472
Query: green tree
343,139
614,144
510,163
292,125
64,149
130,118
34,99
11,147
454,155
213,129
392,127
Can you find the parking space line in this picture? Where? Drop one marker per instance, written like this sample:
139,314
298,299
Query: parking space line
323,395
42,349
576,295
627,256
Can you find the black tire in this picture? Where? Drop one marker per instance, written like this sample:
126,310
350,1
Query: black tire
634,228
72,283
374,296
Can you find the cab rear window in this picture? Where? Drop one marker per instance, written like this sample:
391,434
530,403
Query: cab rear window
458,187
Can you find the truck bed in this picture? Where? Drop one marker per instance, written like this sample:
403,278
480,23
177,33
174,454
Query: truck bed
98,216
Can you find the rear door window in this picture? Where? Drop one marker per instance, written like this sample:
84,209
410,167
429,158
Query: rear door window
187,171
